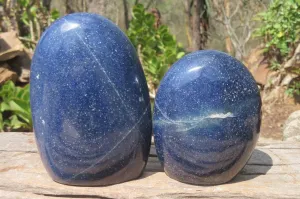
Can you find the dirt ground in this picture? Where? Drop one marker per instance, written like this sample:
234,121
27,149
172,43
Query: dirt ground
273,119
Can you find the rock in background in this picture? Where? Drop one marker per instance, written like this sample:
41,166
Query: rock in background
291,130
7,74
15,59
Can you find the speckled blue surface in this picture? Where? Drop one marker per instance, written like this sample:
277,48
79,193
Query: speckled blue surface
207,118
90,103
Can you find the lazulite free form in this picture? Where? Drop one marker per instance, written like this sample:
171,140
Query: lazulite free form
90,103
207,118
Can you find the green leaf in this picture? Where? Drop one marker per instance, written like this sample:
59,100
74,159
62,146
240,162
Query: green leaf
15,123
15,101
1,122
157,47
277,26
54,14
21,109
23,3
162,71
280,34
4,107
180,55
33,10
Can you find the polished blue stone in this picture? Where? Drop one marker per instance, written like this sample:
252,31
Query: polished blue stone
90,103
207,118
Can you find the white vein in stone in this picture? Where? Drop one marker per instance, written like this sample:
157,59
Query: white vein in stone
123,138
196,119
220,115
119,96
165,116
101,67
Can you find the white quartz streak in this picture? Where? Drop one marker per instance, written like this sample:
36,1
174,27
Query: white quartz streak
220,115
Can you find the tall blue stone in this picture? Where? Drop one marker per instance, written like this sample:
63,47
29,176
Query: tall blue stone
90,103
207,118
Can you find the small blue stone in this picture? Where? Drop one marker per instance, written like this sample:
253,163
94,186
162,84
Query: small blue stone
207,118
90,103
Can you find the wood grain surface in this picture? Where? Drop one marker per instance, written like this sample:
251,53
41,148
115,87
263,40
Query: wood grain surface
272,172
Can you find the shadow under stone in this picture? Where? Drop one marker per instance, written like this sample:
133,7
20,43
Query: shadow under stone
259,164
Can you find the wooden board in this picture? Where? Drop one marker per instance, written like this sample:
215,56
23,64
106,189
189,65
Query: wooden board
272,172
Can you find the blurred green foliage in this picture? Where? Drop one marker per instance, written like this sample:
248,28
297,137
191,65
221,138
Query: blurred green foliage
30,11
15,112
281,29
156,46
294,89
33,18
